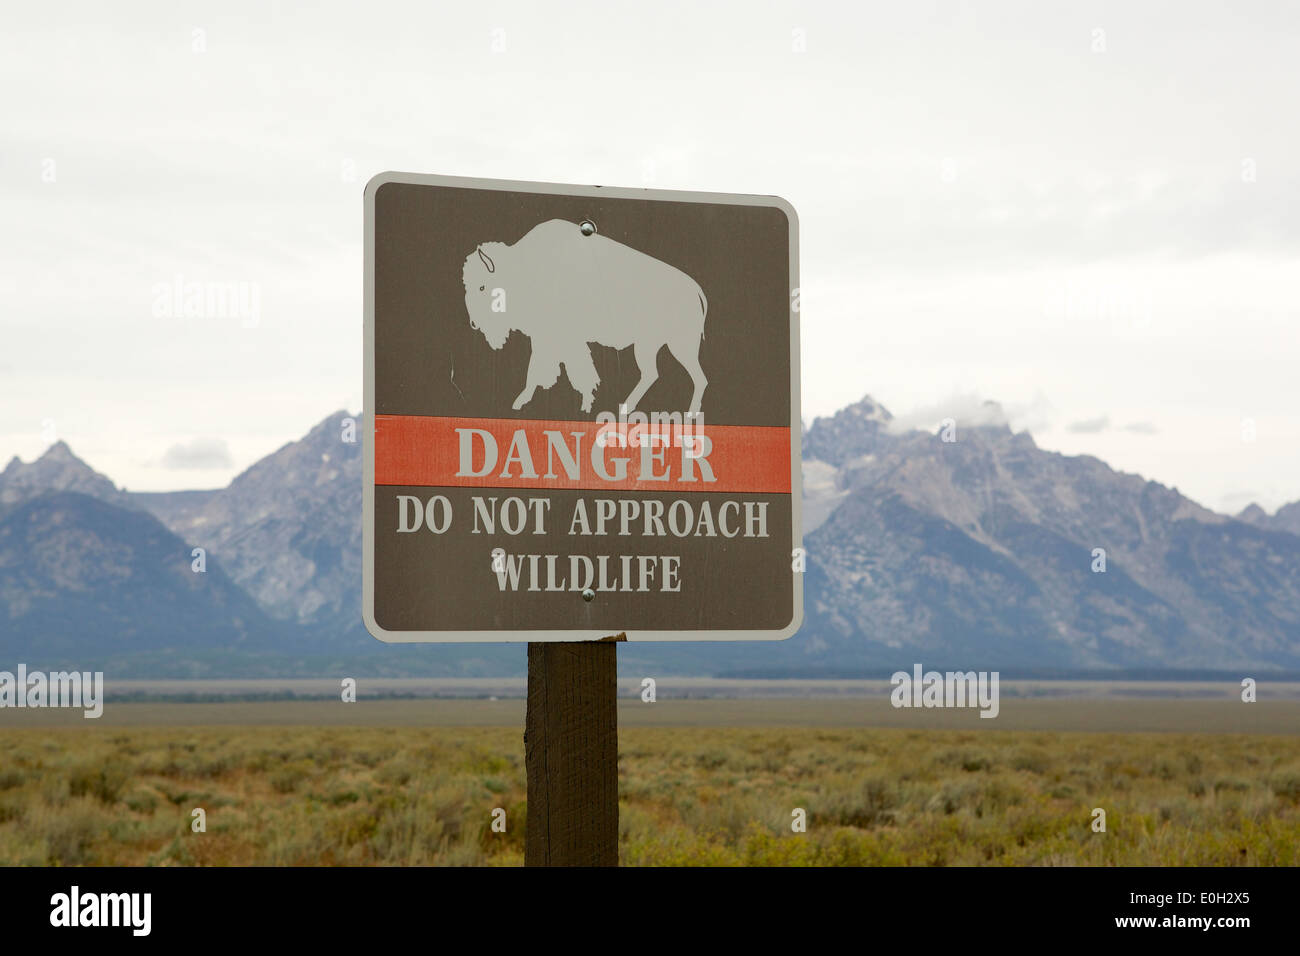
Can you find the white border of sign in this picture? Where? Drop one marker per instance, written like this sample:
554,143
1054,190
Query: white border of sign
368,475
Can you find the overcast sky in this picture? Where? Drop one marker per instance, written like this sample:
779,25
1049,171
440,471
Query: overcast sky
1086,213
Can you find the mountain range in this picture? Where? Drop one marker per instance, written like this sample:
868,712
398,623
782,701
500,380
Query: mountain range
967,547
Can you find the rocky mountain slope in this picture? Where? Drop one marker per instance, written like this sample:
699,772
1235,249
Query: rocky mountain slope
83,581
288,529
1287,518
983,552
56,470
983,549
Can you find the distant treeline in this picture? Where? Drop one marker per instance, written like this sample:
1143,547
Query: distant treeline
1017,673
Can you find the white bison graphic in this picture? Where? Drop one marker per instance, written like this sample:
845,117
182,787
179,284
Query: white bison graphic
564,289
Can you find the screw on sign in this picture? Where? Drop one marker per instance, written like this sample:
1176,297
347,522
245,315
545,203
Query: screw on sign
585,409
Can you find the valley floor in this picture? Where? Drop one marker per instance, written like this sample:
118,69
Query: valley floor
712,782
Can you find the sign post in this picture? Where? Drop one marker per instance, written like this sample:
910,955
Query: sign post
584,422
571,754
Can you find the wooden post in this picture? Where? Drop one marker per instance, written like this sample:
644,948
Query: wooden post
571,753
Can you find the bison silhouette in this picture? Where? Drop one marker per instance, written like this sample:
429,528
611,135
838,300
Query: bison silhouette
566,290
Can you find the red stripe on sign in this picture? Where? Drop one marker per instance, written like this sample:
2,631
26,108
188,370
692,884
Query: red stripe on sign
518,453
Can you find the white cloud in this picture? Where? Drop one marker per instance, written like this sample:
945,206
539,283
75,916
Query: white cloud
199,454
1090,426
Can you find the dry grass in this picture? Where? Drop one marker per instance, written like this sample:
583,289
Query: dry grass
722,796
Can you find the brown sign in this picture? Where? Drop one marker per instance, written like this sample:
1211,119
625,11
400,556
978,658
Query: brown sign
585,404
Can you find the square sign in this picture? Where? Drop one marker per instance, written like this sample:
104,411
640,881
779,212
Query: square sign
585,409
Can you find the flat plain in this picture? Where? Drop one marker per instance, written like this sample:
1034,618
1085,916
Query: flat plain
702,782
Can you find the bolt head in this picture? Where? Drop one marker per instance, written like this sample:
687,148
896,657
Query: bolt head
588,594
588,227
